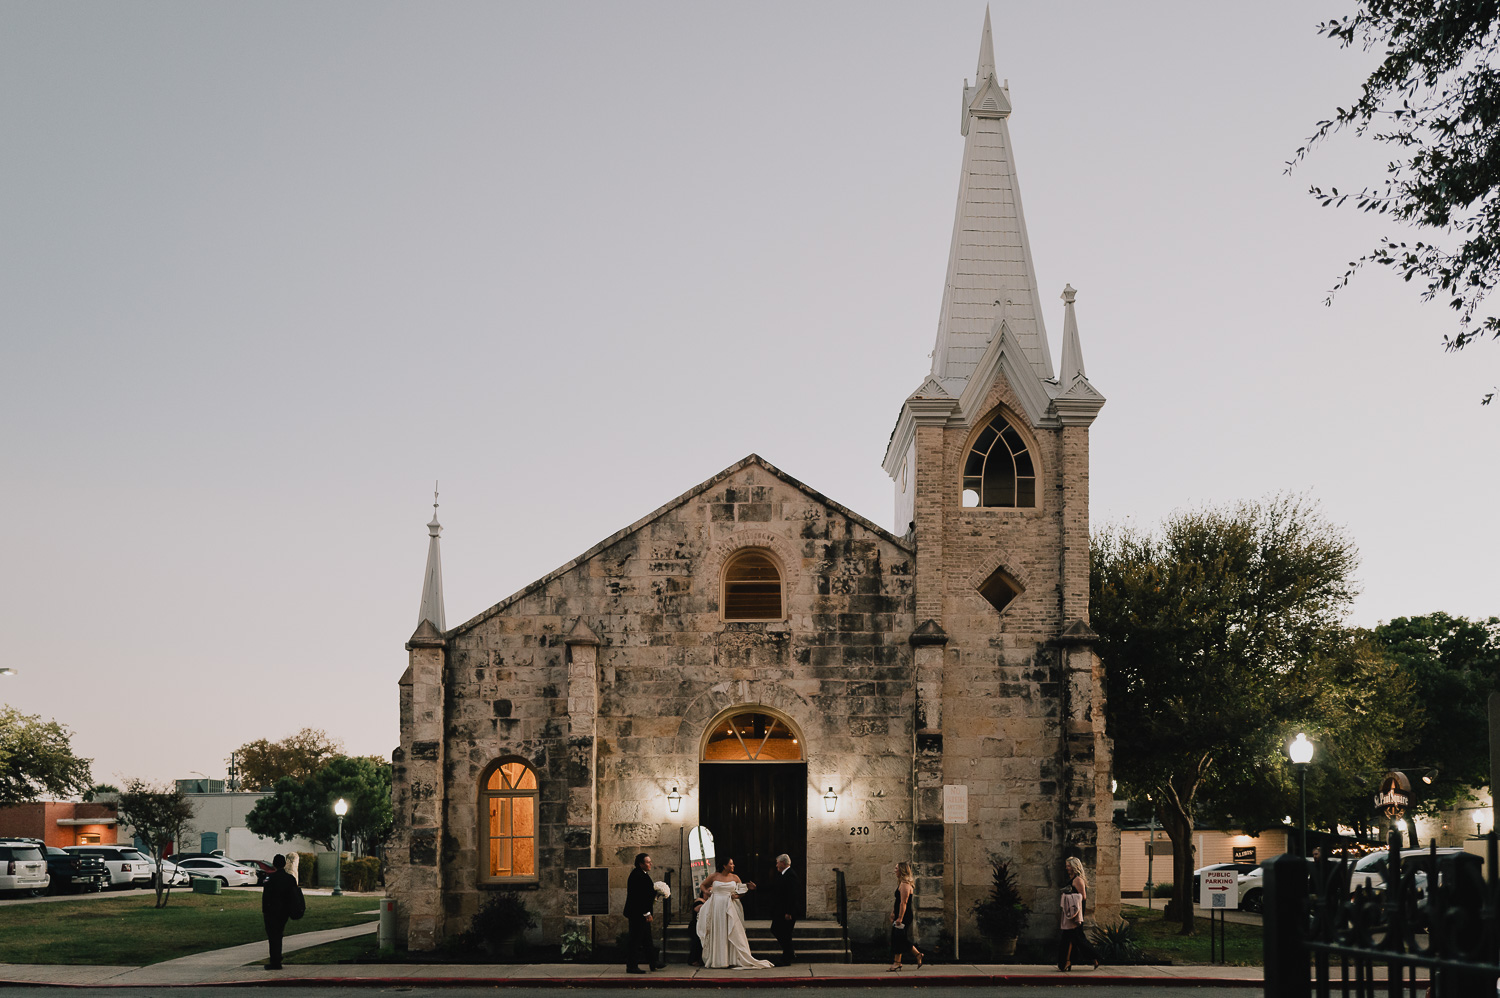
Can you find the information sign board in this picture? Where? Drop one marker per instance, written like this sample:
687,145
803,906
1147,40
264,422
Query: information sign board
1219,889
955,804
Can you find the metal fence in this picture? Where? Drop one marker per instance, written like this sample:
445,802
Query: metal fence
1433,930
841,907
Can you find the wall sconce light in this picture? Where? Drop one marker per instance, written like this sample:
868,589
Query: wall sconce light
830,801
1429,776
674,801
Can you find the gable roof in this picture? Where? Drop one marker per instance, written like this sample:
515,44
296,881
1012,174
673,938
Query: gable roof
752,460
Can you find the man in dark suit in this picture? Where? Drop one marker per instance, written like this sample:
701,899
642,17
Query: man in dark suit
282,899
640,898
788,903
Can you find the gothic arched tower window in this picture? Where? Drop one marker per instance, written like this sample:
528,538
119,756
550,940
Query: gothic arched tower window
998,470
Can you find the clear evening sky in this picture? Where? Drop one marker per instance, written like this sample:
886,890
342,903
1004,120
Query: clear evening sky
268,269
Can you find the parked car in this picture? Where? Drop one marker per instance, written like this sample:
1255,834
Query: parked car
71,871
174,875
127,865
23,868
1373,870
261,868
216,854
1253,888
226,872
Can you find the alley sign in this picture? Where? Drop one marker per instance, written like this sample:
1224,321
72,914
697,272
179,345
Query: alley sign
1219,889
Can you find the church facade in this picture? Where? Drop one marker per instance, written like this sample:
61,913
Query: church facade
758,660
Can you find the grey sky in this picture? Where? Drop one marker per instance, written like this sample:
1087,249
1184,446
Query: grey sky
267,270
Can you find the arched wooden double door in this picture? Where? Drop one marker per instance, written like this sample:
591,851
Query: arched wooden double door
753,795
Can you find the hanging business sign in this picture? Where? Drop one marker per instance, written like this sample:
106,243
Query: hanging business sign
1394,796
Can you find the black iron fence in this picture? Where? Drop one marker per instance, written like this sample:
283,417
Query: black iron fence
841,907
1432,928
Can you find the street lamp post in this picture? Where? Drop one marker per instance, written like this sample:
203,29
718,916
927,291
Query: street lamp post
1301,752
340,808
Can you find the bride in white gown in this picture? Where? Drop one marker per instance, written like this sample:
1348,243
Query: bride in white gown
721,923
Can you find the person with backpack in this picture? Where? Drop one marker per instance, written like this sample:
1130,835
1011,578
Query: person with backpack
1074,943
282,899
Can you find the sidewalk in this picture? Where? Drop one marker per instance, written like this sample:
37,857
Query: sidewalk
240,965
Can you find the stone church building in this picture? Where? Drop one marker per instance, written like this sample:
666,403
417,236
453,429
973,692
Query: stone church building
757,659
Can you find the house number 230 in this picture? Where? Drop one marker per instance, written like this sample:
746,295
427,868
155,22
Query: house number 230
859,829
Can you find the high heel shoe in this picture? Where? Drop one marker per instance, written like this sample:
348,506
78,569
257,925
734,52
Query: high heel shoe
919,960
894,967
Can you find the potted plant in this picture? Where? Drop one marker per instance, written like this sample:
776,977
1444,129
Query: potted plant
1003,915
498,924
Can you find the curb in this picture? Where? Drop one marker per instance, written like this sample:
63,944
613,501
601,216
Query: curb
633,983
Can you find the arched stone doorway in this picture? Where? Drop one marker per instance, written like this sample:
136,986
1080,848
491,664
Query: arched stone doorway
753,793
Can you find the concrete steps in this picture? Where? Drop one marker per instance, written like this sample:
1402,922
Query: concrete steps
815,940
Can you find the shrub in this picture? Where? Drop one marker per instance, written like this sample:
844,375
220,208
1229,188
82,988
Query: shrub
1117,944
361,874
502,917
577,943
1003,915
1161,890
307,869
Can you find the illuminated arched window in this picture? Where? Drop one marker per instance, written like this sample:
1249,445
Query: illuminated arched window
752,587
998,470
507,815
752,736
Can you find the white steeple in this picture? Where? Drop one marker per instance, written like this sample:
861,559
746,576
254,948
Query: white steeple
432,584
1077,401
990,272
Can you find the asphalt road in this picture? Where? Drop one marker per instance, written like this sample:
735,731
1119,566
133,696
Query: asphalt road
1145,990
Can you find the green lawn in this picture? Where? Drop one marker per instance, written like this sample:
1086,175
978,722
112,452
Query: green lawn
1163,945
128,931
359,947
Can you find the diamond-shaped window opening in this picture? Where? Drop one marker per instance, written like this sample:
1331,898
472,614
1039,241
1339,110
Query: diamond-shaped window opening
999,589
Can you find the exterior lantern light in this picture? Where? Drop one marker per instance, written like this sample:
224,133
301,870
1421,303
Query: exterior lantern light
340,808
830,801
1301,752
674,801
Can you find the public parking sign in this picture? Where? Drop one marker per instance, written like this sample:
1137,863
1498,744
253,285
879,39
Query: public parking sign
1219,889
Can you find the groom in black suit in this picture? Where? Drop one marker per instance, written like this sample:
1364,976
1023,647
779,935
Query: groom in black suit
788,903
640,898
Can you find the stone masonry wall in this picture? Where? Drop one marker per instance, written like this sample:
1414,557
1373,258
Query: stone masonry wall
839,666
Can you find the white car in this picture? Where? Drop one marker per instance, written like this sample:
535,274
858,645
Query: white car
127,865
1372,870
174,875
226,872
23,867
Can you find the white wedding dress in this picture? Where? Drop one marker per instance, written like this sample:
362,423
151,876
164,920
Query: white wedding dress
721,929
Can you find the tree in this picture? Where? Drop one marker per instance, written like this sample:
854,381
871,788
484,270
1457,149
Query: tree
298,756
98,790
36,759
1435,98
1221,636
1454,665
304,808
159,815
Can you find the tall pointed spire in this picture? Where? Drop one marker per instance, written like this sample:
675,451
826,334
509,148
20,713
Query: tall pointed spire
432,583
1072,350
989,261
986,67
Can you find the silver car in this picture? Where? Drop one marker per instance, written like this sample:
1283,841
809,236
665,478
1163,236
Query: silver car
23,867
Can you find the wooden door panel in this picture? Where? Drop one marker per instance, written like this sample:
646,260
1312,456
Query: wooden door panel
756,811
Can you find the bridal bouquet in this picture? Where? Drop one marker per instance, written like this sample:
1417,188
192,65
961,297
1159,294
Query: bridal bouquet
662,890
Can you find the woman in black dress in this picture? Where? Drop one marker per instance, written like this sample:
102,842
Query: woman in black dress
903,917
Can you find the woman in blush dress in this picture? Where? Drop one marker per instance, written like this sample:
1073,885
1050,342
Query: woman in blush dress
721,923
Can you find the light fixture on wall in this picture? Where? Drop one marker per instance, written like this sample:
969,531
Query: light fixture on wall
830,801
674,801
